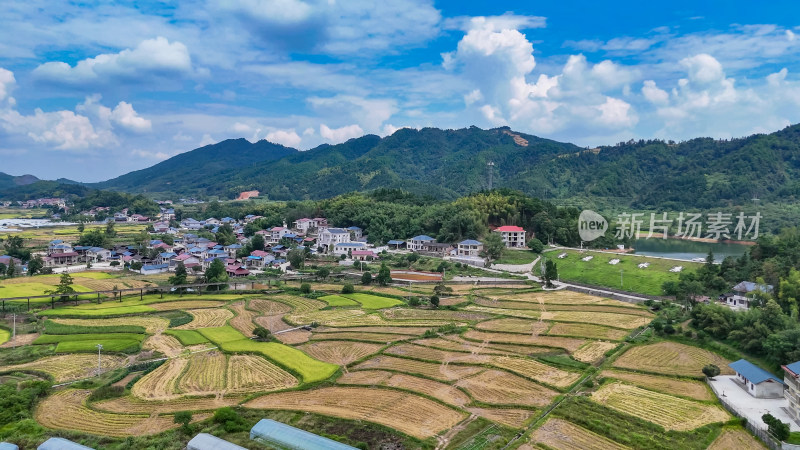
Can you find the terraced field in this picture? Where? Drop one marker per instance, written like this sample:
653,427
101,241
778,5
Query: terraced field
503,388
562,435
65,368
442,372
340,352
671,358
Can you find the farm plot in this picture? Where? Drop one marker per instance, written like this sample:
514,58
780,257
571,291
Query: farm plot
66,410
512,325
187,337
369,301
76,343
338,300
96,311
510,304
165,344
340,353
537,371
132,405
523,313
559,434
587,331
510,417
365,377
186,305
685,388
442,372
459,344
736,438
432,354
593,351
65,368
206,318
204,375
269,307
610,309
410,314
566,297
569,344
671,358
410,331
294,337
502,388
360,336
408,413
670,412
152,325
244,318
325,317
248,373
299,305
626,321
272,323
161,383
440,391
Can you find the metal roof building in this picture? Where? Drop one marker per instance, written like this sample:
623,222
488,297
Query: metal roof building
205,441
57,443
756,381
8,446
271,432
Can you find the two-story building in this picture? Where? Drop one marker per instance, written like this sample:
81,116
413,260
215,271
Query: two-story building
743,294
419,243
791,378
329,237
343,248
513,236
470,247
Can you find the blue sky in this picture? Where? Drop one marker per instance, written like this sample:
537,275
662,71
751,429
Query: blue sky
91,90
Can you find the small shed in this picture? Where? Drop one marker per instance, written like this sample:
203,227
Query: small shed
756,381
268,431
205,441
57,443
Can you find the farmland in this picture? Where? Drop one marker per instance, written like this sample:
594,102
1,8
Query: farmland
489,366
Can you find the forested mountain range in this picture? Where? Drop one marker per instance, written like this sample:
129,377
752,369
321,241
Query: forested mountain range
699,173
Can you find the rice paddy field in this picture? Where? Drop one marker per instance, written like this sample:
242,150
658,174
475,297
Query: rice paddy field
482,371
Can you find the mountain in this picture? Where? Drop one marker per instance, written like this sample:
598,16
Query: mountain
10,181
188,172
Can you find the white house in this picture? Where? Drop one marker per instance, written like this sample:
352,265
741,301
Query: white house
277,233
756,381
96,254
356,232
153,269
418,243
343,247
470,247
332,236
513,236
743,294
791,379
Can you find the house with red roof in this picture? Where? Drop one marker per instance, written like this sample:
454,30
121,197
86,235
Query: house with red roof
513,236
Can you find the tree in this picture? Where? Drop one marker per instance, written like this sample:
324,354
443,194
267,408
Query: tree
180,276
15,247
384,275
711,370
493,246
11,270
305,288
780,430
64,287
3,269
216,272
184,418
535,245
440,289
136,265
435,301
348,288
110,231
366,278
81,227
550,273
93,238
225,235
263,333
257,242
323,273
296,258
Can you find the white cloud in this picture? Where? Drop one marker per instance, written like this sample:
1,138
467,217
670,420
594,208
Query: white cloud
150,155
125,116
339,135
151,58
653,94
7,83
371,113
60,130
288,138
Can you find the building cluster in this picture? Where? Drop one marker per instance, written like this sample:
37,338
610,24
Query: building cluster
40,203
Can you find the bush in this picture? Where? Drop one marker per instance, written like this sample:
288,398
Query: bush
688,333
305,288
776,428
435,301
263,333
183,418
711,371
114,263
230,420
536,245
414,301
106,392
366,279
348,288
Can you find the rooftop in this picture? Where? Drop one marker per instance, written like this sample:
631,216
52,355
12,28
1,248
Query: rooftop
289,436
752,372
508,228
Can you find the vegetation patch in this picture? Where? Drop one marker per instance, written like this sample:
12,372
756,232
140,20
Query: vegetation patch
369,301
671,358
338,300
560,434
187,337
151,325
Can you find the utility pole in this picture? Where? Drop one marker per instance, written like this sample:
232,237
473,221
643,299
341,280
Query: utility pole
14,332
620,279
490,164
99,347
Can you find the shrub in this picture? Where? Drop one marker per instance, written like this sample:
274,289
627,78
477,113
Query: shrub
263,333
184,418
435,301
348,288
776,428
711,371
366,279
114,263
414,301
230,420
305,288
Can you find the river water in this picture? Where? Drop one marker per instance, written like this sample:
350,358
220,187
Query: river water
687,250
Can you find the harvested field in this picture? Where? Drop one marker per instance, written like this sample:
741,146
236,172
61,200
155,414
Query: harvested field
186,305
268,307
523,313
340,353
593,351
440,391
299,305
205,374
610,309
66,410
133,405
408,413
510,304
670,412
365,377
507,348
324,317
152,325
432,354
272,323
411,331
569,344
508,325
565,297
165,344
513,418
434,314
535,370
294,337
671,358
358,318
20,339
207,318
442,372
449,301
459,345
586,330
249,373
626,321
559,434
65,368
736,438
360,336
244,318
694,389
502,388
161,384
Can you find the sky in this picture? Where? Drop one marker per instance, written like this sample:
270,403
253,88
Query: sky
92,90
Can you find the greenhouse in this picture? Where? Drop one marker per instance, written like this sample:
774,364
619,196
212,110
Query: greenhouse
268,431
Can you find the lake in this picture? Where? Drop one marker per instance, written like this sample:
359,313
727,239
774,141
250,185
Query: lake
686,250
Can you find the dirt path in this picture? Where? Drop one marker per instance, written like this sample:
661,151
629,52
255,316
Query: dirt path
444,440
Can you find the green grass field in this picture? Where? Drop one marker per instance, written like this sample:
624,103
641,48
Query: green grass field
369,301
32,289
76,343
599,272
59,328
129,305
5,335
187,337
338,300
516,257
78,311
310,369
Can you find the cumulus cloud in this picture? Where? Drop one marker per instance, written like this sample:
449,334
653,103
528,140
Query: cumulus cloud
7,83
339,135
126,117
371,113
151,58
288,138
146,154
